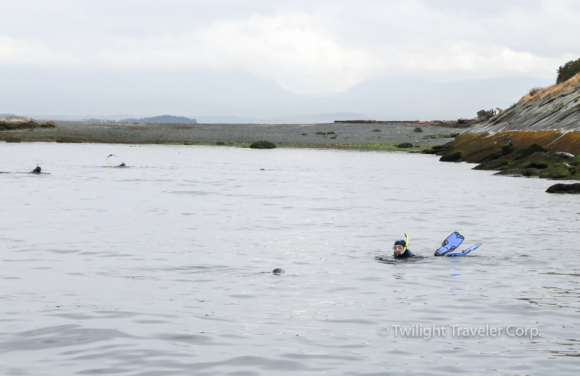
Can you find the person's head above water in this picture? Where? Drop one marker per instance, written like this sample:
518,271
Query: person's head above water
400,247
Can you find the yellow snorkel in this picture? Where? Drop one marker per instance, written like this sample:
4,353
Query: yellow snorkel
407,243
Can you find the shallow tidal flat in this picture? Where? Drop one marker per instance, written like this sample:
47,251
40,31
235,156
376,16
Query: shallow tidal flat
363,136
165,267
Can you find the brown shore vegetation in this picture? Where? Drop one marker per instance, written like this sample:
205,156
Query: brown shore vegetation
535,94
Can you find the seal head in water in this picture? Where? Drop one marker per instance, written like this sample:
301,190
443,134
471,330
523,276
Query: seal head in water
278,271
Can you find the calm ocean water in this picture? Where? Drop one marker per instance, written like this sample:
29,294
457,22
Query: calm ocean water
164,268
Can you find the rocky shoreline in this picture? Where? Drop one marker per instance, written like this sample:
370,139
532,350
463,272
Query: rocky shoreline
333,135
539,136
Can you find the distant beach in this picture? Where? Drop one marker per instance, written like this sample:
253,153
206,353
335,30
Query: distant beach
334,135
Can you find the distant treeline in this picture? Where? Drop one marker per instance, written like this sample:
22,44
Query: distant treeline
568,70
162,119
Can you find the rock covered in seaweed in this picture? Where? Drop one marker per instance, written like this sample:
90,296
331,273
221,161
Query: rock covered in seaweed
263,145
451,157
564,188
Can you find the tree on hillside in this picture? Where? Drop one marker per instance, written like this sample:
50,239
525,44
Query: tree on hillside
568,70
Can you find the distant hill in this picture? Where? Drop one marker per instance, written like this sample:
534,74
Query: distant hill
238,96
297,119
7,115
162,119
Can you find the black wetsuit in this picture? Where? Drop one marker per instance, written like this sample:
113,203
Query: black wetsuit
405,254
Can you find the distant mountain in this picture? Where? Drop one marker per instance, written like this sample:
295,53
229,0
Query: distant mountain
417,98
161,119
298,119
237,96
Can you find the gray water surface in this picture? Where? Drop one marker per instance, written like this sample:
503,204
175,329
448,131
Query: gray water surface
164,268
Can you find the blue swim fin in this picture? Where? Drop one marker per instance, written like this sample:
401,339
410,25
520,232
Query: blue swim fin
472,248
450,244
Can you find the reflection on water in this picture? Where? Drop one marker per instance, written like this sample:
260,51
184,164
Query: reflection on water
165,268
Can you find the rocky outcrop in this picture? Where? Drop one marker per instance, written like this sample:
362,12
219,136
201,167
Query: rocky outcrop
545,154
17,122
556,107
21,122
538,136
451,157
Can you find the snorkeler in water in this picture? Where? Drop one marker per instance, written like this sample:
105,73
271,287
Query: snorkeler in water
36,170
400,249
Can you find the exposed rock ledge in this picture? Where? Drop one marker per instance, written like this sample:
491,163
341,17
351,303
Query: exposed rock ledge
556,107
538,136
21,122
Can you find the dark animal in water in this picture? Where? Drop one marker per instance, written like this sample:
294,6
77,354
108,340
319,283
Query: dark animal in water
278,271
36,170
122,164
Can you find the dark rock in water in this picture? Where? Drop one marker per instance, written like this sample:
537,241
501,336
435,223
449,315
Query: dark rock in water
453,157
564,155
262,145
534,148
493,156
556,172
36,170
278,271
333,138
491,165
418,130
321,133
442,148
508,149
538,165
429,151
529,172
565,188
377,130
405,145
330,132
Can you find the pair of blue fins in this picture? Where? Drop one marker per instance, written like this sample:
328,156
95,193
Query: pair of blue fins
451,243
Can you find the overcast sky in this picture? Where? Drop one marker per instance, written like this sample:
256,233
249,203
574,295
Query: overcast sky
306,46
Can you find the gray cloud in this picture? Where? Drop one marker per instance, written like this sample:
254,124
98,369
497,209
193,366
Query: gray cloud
306,46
